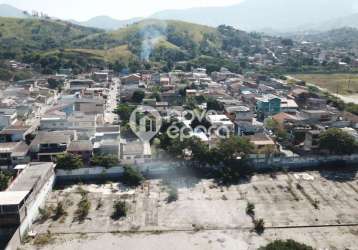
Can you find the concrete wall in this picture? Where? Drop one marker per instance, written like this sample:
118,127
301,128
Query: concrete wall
295,163
33,209
15,241
168,168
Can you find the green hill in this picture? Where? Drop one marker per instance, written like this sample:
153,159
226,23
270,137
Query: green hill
51,44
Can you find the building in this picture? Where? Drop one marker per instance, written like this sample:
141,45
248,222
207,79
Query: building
13,153
134,152
83,148
312,140
80,84
8,117
221,124
14,134
90,106
268,105
46,146
20,203
132,79
262,141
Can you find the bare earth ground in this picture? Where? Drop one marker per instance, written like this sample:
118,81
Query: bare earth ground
209,217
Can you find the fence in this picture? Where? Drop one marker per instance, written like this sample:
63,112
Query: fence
160,168
297,163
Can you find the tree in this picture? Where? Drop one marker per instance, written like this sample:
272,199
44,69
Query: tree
69,161
213,104
337,141
285,245
106,161
138,96
131,176
4,180
124,111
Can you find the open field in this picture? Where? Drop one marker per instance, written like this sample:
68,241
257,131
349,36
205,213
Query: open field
317,208
345,84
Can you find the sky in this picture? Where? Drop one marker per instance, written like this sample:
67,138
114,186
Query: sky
82,10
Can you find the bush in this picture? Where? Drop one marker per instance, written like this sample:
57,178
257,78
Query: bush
120,210
250,209
59,211
286,245
172,195
69,161
4,180
83,208
259,226
106,161
131,176
44,239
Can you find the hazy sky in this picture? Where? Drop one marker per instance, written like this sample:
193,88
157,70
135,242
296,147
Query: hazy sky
121,9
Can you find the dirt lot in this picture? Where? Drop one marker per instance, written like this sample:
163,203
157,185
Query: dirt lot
319,209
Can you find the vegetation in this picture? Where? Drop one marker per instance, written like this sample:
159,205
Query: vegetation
106,161
59,211
44,239
69,161
124,111
172,194
286,245
259,226
250,209
83,208
230,154
335,83
138,96
131,176
45,213
337,141
51,44
4,180
120,210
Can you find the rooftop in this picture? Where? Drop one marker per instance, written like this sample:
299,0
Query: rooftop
30,176
12,197
83,145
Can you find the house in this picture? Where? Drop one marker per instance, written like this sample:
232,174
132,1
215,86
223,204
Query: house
107,147
262,141
134,152
221,124
288,106
13,153
312,139
101,76
90,106
318,116
8,117
14,134
241,113
268,105
316,104
106,133
46,146
132,79
83,148
80,84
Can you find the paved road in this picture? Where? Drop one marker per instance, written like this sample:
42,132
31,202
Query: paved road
109,116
